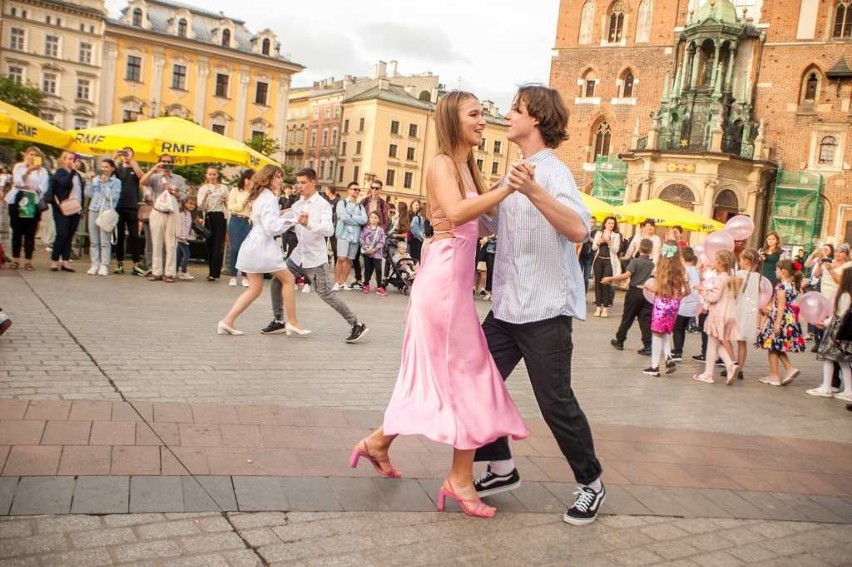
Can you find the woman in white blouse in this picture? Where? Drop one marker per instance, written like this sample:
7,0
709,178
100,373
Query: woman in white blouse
213,203
29,184
260,254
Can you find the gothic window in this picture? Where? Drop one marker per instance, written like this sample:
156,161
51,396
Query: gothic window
588,85
137,17
603,137
226,38
810,87
843,19
627,82
616,22
827,147
679,195
587,22
643,25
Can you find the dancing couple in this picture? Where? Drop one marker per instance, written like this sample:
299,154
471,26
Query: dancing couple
450,386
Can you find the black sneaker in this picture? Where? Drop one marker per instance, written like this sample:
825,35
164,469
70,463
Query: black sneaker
720,363
699,358
644,351
489,483
119,269
5,322
616,345
671,365
274,328
676,357
586,506
651,371
358,331
140,271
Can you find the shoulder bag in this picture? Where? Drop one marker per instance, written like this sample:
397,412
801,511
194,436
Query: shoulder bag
107,218
69,206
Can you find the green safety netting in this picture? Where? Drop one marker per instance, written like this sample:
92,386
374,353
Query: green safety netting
610,180
796,212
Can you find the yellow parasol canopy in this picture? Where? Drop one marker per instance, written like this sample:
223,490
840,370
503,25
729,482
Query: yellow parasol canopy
667,214
598,208
17,124
186,141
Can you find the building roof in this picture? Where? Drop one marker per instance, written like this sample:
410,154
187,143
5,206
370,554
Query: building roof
722,11
839,70
391,93
192,10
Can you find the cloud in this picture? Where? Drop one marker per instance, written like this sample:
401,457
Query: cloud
404,41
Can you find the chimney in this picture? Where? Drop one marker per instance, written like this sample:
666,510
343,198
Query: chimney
380,70
392,69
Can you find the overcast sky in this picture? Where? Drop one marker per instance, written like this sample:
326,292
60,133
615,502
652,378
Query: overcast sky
484,46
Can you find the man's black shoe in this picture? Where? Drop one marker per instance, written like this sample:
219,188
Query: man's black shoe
676,357
617,345
490,483
586,506
274,328
644,351
699,358
358,331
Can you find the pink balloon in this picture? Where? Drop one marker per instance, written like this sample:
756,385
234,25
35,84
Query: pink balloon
739,227
716,242
814,307
765,293
648,294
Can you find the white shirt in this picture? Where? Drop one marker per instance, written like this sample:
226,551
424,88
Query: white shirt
536,272
311,251
37,182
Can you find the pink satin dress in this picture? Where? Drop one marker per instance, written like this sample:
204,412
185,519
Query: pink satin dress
448,387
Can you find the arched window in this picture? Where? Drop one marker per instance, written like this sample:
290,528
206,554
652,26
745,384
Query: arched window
643,23
226,38
627,82
588,84
810,88
137,17
679,195
182,27
616,22
603,137
265,46
587,22
843,19
827,148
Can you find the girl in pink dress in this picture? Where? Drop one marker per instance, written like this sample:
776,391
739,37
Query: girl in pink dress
448,387
721,323
669,285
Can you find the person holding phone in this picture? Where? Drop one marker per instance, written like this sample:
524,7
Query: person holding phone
29,185
66,185
129,173
163,223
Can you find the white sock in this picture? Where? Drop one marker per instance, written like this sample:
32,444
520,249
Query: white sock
846,374
827,374
667,346
596,485
502,468
656,350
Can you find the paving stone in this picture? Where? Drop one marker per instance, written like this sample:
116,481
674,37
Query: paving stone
618,500
21,562
808,508
16,528
133,519
718,559
168,529
86,557
212,542
213,524
247,521
259,537
32,460
44,543
7,490
259,493
312,494
243,558
360,494
146,550
673,549
43,495
734,503
102,537
197,561
65,524
156,494
208,493
101,495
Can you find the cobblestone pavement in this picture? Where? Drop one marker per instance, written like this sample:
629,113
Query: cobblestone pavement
120,397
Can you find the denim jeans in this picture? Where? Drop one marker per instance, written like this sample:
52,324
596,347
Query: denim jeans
318,278
182,256
238,229
100,245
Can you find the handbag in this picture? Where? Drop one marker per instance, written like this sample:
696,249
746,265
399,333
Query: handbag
107,219
69,206
165,202
144,212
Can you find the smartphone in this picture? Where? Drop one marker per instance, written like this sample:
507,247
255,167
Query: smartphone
37,161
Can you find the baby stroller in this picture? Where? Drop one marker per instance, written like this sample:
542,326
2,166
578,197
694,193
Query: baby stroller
395,274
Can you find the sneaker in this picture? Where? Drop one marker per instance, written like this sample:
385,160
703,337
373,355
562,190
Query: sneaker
274,328
347,287
644,351
103,270
768,380
586,506
119,269
720,363
616,345
820,393
5,322
92,271
358,331
306,288
699,358
366,288
676,357
185,276
245,282
380,291
335,287
357,285
489,483
140,271
845,396
232,282
651,371
671,365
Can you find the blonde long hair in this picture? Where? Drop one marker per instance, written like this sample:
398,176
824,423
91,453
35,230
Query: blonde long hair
262,180
448,130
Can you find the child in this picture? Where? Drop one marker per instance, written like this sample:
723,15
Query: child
184,231
782,333
748,281
721,323
372,246
830,352
688,305
635,306
669,286
403,261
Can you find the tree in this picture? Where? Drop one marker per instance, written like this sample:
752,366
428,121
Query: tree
264,144
26,97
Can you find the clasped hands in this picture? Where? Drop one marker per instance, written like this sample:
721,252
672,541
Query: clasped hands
521,177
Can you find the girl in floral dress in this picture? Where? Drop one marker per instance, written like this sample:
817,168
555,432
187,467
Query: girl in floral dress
669,286
782,334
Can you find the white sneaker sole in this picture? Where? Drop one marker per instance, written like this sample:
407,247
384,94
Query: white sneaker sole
498,489
583,521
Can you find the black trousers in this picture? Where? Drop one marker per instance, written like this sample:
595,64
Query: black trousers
546,348
701,319
356,266
65,229
23,233
635,307
604,293
128,221
371,264
679,335
215,223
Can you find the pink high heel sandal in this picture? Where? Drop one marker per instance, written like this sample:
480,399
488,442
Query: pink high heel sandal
358,452
470,507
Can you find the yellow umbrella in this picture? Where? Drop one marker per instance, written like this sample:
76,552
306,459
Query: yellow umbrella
667,214
16,124
186,141
597,207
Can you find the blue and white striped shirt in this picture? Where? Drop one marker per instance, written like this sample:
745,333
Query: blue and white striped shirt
536,272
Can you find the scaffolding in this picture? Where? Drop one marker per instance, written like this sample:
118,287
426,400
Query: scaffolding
796,213
610,180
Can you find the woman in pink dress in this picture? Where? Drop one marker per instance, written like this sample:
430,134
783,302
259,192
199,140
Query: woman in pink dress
448,387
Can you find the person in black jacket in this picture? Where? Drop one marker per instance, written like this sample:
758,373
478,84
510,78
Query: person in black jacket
66,184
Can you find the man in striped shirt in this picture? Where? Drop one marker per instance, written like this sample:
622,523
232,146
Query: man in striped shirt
538,291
